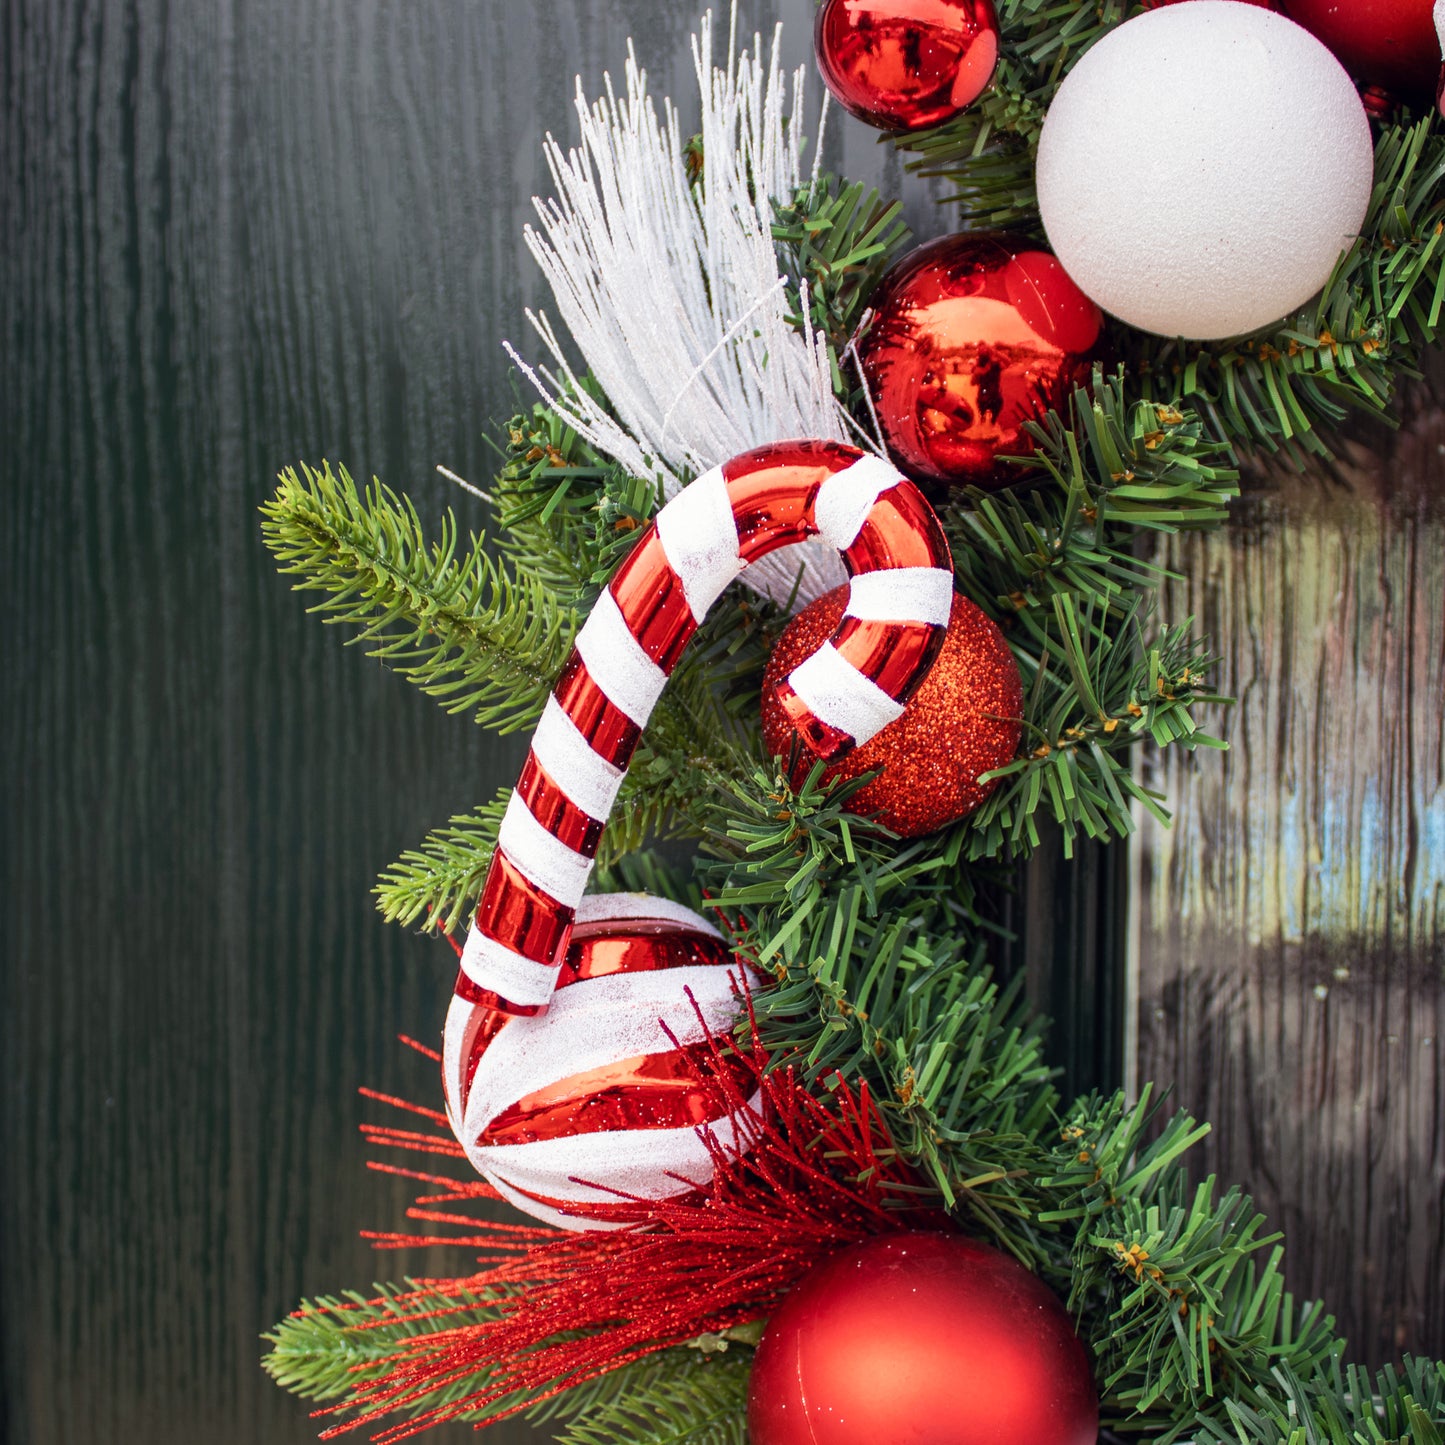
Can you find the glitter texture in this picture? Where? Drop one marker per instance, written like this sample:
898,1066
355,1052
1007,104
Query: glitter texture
964,720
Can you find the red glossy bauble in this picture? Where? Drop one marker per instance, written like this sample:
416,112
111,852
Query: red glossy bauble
906,64
963,721
973,336
1387,44
921,1339
622,1053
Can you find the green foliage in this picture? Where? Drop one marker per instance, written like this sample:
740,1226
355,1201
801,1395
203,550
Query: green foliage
1057,565
330,1345
836,239
691,1396
987,152
681,1397
565,515
1344,351
489,638
457,624
873,951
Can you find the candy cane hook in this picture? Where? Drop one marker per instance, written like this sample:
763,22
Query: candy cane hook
855,684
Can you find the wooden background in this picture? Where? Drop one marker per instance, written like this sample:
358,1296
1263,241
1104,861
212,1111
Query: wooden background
238,234
1291,926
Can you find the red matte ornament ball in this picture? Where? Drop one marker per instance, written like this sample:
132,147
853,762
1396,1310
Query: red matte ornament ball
964,720
906,65
1387,44
971,337
921,1339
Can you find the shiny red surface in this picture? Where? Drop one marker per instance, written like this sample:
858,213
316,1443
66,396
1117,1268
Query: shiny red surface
555,811
972,337
515,912
612,734
906,64
651,598
1391,44
664,1090
921,1339
902,530
775,508
636,946
896,656
772,491
652,1091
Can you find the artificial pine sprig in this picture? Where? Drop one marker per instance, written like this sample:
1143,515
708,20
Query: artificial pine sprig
467,632
834,242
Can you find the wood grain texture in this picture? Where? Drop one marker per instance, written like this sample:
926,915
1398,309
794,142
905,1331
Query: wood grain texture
234,235
1291,925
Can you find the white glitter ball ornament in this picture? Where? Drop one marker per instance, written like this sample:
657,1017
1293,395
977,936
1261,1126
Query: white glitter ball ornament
1203,167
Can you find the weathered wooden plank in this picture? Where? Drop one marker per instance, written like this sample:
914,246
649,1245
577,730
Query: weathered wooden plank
1291,959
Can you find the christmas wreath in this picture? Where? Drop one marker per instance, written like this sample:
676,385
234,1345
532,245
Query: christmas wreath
798,1167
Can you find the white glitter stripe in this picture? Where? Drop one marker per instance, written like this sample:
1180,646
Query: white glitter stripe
454,1036
628,678
596,907
545,1212
493,965
846,498
588,779
902,594
540,856
637,1162
699,537
835,691
597,1022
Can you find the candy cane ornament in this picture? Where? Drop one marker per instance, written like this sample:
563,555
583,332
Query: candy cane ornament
854,685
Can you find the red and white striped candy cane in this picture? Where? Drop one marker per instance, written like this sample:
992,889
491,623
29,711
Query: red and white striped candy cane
855,684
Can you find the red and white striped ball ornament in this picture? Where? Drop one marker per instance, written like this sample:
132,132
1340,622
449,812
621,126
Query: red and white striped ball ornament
577,1032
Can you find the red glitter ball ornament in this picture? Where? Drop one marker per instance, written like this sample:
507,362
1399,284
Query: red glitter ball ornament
1389,45
964,720
921,1337
906,64
971,337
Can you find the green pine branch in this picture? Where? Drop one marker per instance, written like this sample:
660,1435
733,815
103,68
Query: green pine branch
566,515
488,639
834,242
453,621
682,1397
872,951
333,1345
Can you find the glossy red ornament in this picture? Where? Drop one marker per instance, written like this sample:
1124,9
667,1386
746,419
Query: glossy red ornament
906,64
1388,45
617,1055
964,720
921,1339
973,336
